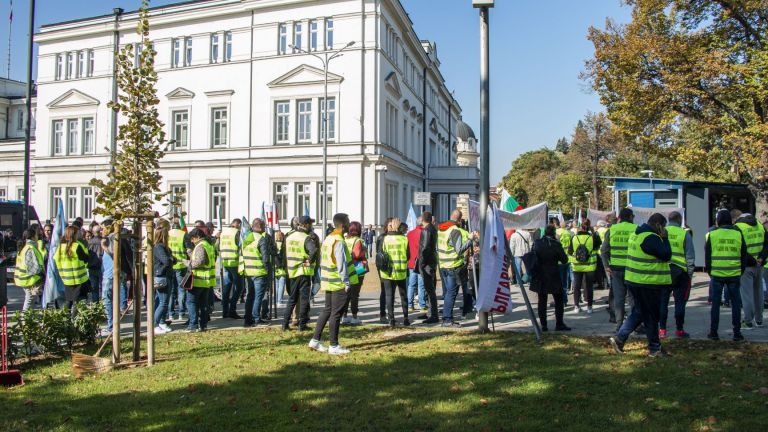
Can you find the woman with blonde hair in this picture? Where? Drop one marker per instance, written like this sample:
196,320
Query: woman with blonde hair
163,262
71,260
395,246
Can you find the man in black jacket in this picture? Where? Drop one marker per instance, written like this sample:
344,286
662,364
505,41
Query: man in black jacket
427,265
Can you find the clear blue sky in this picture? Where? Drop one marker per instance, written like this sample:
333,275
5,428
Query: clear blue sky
538,48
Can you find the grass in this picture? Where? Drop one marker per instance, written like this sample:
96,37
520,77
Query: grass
403,380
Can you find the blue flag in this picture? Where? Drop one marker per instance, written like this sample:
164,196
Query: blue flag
306,208
54,286
411,220
245,229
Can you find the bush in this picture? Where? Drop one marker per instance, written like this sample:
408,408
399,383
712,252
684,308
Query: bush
53,331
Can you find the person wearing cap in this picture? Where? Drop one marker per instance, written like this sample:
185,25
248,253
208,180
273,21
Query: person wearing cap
301,255
726,257
614,256
682,267
750,285
647,274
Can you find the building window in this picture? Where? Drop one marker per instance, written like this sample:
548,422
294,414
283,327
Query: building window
88,136
80,64
57,137
329,33
227,46
304,121
282,46
20,120
297,33
218,200
59,67
188,51
87,204
219,122
313,35
281,200
179,197
214,48
328,200
91,62
71,203
331,118
282,121
20,194
138,47
72,136
176,54
3,194
70,64
180,131
302,199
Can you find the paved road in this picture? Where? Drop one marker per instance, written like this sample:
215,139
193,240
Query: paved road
697,314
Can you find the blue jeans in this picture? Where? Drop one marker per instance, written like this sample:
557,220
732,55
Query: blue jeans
450,291
106,297
197,305
415,281
181,293
230,293
162,299
123,291
255,298
94,276
565,275
679,290
645,310
517,266
731,287
280,287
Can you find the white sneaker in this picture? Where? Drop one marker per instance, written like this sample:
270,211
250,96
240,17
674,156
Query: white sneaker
356,321
589,311
317,346
104,332
166,328
337,350
346,320
577,309
159,330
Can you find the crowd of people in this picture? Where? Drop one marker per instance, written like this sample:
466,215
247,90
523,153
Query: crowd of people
643,266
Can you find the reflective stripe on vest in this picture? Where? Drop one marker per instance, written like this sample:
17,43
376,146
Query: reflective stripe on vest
330,279
253,260
176,244
295,255
618,241
725,254
21,277
676,237
354,279
228,249
72,270
447,256
589,242
754,237
396,246
644,269
205,277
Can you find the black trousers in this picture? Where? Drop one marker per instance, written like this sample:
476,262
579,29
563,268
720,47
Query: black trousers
389,289
335,303
353,298
299,286
430,291
558,298
583,280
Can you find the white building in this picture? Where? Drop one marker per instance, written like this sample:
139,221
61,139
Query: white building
13,123
244,107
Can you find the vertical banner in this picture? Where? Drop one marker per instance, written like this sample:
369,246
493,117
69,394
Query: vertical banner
411,220
54,286
496,295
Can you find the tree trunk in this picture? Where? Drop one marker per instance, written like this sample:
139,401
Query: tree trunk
137,281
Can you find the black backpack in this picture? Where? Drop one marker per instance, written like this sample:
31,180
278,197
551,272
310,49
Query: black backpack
383,261
581,254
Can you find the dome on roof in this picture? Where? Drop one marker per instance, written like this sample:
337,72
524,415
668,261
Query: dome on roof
464,132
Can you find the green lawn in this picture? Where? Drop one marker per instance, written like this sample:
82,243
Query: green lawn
410,380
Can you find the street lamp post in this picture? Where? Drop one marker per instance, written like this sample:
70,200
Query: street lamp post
28,106
589,200
325,59
649,173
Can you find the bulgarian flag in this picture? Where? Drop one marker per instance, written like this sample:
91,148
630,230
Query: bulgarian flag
508,203
182,224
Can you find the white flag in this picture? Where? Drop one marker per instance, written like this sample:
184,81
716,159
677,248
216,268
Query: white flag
411,220
495,294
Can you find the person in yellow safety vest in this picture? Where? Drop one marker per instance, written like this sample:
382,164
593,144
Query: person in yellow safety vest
336,270
395,245
29,271
726,257
564,235
765,270
178,242
257,263
279,265
613,252
682,268
601,230
228,246
610,219
357,249
750,285
584,269
647,273
71,260
202,264
450,256
301,256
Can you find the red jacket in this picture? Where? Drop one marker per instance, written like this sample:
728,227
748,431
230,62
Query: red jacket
413,245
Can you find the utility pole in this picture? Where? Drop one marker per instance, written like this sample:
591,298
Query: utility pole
28,131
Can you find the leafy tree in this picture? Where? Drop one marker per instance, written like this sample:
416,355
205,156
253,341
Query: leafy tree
564,188
594,142
530,174
134,184
562,145
695,70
